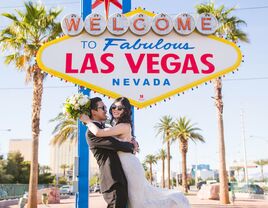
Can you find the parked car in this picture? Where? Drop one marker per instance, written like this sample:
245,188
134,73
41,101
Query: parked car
66,189
252,189
96,188
3,194
91,189
199,184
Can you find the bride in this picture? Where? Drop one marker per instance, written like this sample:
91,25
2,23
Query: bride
141,194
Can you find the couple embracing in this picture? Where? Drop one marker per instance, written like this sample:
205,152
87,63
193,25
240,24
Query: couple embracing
122,180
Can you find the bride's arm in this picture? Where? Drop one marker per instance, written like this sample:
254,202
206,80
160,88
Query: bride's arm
112,131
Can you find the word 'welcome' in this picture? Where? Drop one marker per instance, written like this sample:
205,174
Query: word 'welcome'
139,24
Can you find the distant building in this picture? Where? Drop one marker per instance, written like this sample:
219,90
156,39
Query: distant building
24,146
201,167
203,172
64,155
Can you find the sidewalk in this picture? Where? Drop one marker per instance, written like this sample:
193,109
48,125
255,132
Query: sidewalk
240,203
96,201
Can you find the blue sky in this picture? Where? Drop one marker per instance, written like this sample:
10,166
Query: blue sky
246,89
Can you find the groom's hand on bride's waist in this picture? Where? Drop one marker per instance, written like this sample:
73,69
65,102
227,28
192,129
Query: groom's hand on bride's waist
136,145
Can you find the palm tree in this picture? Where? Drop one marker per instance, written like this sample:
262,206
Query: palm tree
228,27
183,131
64,167
144,165
162,155
164,128
66,129
151,159
261,163
45,169
21,39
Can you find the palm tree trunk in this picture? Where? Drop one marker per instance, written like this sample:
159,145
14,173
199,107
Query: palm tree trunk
163,173
168,163
36,109
184,167
224,192
151,174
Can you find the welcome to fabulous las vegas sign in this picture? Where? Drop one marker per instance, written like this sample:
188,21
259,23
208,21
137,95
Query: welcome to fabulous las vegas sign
144,56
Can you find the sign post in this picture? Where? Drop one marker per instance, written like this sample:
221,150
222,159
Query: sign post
82,195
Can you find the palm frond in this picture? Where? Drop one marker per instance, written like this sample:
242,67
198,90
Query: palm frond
65,129
228,25
25,34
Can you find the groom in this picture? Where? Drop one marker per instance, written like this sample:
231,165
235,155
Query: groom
112,178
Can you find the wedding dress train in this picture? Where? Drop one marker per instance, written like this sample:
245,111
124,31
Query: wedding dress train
141,194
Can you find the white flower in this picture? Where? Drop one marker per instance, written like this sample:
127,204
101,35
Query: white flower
76,106
72,100
64,111
82,101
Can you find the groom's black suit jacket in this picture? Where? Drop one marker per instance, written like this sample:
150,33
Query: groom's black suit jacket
105,151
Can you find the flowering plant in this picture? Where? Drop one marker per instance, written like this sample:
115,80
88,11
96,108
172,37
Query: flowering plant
76,105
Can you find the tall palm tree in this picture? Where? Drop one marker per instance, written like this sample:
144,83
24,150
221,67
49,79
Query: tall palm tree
21,39
66,129
261,163
164,128
162,155
183,131
229,28
64,167
151,159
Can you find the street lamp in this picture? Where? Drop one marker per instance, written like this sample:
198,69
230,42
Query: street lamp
5,129
259,137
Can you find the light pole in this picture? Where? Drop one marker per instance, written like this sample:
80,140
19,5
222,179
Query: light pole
244,146
196,163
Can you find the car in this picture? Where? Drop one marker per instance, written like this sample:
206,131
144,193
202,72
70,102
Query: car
91,189
252,189
199,184
96,188
66,189
3,194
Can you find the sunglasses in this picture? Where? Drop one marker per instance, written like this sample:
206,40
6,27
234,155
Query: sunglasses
117,107
103,108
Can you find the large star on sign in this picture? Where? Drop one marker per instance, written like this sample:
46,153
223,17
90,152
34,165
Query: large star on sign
106,5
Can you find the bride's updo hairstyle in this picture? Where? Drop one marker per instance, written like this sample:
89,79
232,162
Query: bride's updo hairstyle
126,114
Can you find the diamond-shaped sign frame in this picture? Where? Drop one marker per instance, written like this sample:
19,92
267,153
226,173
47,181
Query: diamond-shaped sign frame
43,60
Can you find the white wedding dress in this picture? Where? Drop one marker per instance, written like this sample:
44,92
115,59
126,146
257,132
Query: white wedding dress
141,194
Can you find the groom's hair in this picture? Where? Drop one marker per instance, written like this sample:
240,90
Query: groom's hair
94,103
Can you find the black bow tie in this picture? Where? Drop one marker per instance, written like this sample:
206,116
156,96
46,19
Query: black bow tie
102,125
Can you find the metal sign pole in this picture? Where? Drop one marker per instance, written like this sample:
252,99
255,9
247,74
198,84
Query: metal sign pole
83,150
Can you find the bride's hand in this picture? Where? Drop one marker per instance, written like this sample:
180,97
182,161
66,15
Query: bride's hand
85,118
